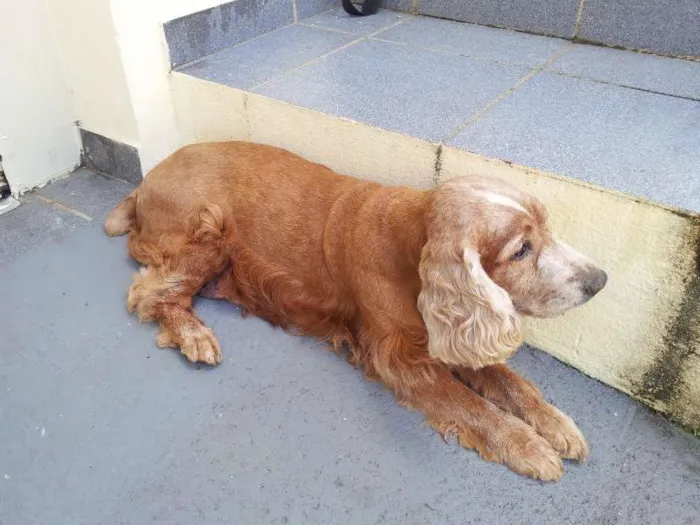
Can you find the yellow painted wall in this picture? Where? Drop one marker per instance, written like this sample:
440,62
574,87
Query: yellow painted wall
640,335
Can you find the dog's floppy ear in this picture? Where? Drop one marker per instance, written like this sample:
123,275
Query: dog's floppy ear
470,320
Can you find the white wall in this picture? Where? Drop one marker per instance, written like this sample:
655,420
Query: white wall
170,9
144,53
117,66
103,63
38,138
88,43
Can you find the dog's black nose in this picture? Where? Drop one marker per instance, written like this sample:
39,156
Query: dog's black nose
595,281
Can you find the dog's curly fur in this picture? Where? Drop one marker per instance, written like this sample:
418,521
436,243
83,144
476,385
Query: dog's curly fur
425,288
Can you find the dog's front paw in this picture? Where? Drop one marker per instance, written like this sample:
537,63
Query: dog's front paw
529,454
200,344
560,430
516,445
197,343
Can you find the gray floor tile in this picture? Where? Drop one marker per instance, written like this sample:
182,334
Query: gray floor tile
421,93
32,224
650,72
103,427
538,16
7,204
200,34
339,20
88,192
602,413
474,41
661,462
399,5
270,55
307,8
644,144
665,27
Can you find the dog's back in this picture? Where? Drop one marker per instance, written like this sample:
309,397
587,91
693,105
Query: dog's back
264,209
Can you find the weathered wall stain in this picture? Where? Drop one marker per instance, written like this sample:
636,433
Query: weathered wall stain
662,383
438,165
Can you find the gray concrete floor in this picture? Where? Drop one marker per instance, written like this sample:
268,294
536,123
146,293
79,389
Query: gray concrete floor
101,427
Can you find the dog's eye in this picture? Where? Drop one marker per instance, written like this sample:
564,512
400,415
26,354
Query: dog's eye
523,252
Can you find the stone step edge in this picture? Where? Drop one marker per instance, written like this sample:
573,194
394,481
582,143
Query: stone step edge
576,39
641,335
576,33
183,50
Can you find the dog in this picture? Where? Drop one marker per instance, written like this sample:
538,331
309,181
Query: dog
425,288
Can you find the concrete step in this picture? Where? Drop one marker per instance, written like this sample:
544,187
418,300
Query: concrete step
608,139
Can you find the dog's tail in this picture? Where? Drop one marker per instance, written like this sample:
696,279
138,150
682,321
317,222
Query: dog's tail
122,219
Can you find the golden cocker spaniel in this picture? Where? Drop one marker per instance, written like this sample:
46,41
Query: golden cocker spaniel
425,288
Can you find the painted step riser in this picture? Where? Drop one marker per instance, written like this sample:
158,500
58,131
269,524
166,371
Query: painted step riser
641,335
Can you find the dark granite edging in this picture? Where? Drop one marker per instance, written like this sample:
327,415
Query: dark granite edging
308,8
666,28
541,17
110,156
669,29
633,24
199,34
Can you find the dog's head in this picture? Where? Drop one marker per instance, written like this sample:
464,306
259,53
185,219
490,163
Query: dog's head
490,257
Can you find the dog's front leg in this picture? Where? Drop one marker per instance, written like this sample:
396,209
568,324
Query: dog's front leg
510,392
421,383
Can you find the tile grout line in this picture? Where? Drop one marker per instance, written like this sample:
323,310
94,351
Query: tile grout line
308,62
523,65
403,17
313,25
579,17
505,94
452,53
623,86
304,22
321,57
63,207
375,38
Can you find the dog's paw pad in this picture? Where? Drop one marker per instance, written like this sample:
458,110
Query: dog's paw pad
200,345
530,454
542,462
562,433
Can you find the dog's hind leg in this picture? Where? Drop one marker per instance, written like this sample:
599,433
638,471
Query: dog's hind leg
163,290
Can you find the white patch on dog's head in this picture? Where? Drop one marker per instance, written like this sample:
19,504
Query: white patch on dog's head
501,200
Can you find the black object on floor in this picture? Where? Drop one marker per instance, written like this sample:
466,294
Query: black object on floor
369,7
